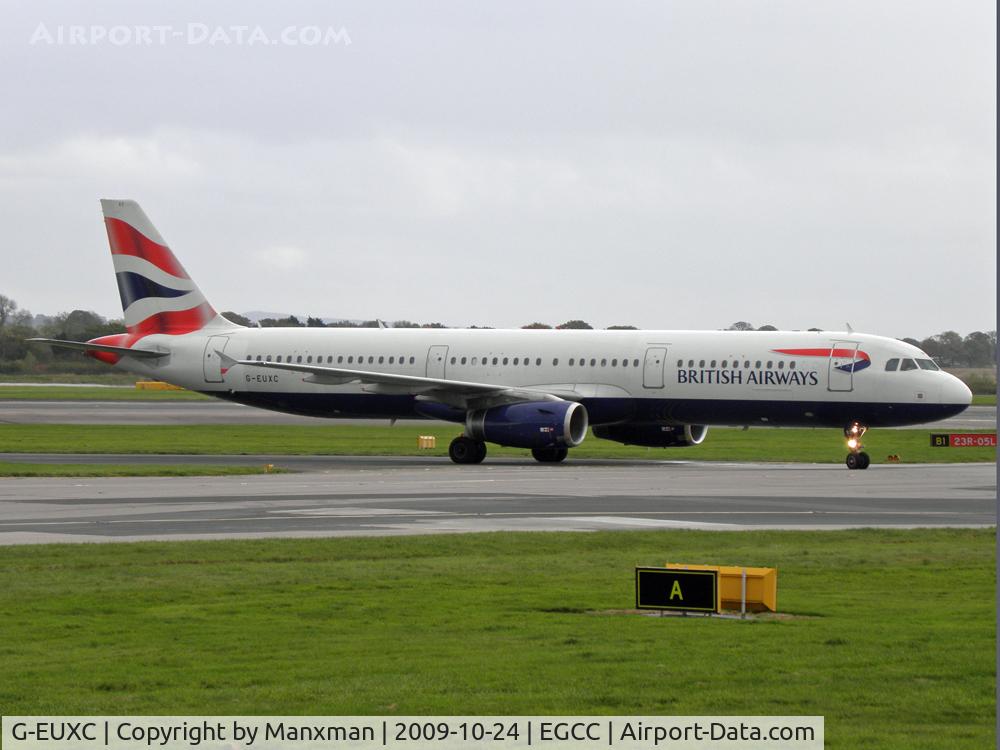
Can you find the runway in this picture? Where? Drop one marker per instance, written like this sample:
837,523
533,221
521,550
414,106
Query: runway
345,496
222,412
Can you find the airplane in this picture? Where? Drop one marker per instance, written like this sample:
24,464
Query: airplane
534,389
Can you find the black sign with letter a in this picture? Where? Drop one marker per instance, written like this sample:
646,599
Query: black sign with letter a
669,588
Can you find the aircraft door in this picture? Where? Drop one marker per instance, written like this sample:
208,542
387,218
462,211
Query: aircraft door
437,356
843,355
652,368
212,364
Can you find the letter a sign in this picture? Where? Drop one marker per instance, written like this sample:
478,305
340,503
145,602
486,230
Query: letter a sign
683,590
675,591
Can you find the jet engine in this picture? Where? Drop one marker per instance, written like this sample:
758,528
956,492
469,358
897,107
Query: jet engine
534,424
653,435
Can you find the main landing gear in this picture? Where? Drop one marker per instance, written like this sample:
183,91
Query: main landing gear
857,458
465,450
549,455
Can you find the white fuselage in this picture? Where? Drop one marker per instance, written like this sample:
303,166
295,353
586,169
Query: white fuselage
672,377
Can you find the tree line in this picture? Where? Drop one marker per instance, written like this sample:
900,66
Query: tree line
949,349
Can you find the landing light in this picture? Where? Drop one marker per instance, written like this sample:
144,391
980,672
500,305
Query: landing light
852,443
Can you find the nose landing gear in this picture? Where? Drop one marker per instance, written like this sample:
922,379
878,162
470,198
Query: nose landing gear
857,458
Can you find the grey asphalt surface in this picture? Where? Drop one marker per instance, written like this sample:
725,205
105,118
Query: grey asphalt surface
223,412
345,496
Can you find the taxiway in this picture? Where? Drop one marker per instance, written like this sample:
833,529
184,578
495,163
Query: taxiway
347,496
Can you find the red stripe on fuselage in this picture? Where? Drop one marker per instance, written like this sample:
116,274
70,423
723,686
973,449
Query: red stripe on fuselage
127,240
171,323
838,353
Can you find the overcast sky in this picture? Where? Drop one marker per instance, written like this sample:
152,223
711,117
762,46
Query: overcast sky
666,165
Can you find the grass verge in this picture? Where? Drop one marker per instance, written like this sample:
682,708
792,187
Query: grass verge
13,469
802,445
893,643
984,400
85,393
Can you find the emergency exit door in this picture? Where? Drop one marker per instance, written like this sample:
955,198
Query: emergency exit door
843,356
212,362
652,368
436,359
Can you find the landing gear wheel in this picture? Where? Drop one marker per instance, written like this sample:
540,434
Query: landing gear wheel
465,450
857,458
549,455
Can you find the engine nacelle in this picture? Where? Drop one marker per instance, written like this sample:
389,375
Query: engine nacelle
653,435
535,424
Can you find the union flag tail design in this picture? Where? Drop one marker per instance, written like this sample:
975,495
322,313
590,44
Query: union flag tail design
157,294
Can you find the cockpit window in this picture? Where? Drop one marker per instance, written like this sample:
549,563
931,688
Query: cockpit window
892,364
908,364
927,364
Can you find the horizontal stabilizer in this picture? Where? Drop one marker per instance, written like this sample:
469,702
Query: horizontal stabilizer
83,346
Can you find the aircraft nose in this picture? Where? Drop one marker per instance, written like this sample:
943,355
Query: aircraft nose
954,391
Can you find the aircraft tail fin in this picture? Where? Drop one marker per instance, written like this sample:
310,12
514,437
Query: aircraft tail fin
157,294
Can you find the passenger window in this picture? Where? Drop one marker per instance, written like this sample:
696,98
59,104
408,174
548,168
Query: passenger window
927,364
713,364
515,361
453,360
908,364
701,363
680,363
392,360
635,363
463,360
690,363
757,364
791,365
781,364
371,359
769,364
892,364
746,363
276,360
309,359
571,361
526,362
614,363
506,360
495,360
538,362
593,362
381,360
412,360
555,362
725,363
475,360
604,363
268,358
350,360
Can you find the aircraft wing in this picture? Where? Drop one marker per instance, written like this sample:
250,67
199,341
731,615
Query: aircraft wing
83,346
458,393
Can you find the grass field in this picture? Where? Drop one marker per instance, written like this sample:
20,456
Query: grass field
988,400
13,469
92,393
889,634
764,444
